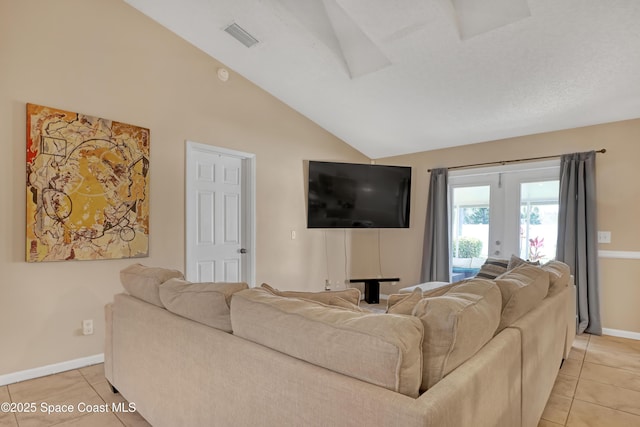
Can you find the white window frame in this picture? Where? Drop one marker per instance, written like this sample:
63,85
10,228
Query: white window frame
503,224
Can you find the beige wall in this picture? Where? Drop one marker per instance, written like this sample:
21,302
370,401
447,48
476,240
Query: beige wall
103,58
618,204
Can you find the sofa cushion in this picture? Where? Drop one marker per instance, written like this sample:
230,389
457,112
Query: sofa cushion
559,275
351,295
144,282
516,261
522,289
456,325
492,268
403,303
206,303
382,349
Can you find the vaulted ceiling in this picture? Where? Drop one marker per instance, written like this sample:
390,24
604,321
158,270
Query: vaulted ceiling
392,77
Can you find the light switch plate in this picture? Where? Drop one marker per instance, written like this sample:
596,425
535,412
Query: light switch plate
604,237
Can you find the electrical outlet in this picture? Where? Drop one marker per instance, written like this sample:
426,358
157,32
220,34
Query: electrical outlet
87,327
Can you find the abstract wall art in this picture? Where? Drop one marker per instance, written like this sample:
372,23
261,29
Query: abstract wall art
87,187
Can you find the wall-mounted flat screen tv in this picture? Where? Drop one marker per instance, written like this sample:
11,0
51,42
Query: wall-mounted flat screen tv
349,195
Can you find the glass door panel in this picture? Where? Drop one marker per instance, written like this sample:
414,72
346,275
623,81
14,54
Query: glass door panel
470,229
539,220
503,211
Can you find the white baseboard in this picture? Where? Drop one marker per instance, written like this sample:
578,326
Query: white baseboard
621,334
43,371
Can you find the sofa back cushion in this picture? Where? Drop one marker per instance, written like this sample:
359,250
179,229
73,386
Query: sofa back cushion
350,295
456,325
207,303
522,289
381,349
144,282
559,275
429,289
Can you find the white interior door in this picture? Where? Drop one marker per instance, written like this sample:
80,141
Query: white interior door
219,217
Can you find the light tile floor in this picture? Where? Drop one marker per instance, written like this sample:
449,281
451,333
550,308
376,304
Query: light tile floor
81,390
598,386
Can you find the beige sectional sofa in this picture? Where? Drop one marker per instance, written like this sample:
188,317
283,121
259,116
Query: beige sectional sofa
476,353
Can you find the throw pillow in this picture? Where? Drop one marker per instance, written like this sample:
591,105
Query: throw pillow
144,282
351,295
206,303
492,268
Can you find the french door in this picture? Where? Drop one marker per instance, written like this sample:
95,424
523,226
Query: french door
503,211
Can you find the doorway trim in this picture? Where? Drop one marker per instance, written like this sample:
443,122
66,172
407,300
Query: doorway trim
248,215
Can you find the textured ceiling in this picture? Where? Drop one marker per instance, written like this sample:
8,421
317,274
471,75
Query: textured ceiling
392,77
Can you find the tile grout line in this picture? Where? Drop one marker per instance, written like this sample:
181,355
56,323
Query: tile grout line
66,421
106,403
100,396
608,407
75,418
15,417
573,397
609,384
586,379
631,371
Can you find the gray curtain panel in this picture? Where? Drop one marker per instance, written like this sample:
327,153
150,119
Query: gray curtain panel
577,235
435,254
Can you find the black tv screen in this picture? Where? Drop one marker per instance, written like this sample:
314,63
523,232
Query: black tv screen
349,195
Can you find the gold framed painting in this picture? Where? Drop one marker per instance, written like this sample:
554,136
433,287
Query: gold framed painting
87,187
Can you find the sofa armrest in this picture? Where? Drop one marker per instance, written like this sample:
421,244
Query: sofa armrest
108,342
571,319
492,376
543,332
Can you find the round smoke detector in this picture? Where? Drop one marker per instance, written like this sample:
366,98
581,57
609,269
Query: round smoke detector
223,74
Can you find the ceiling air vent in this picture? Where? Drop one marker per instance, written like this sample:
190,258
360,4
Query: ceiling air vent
239,33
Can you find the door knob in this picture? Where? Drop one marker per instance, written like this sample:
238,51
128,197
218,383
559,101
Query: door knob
243,251
496,253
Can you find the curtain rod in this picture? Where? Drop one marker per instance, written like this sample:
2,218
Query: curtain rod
504,162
